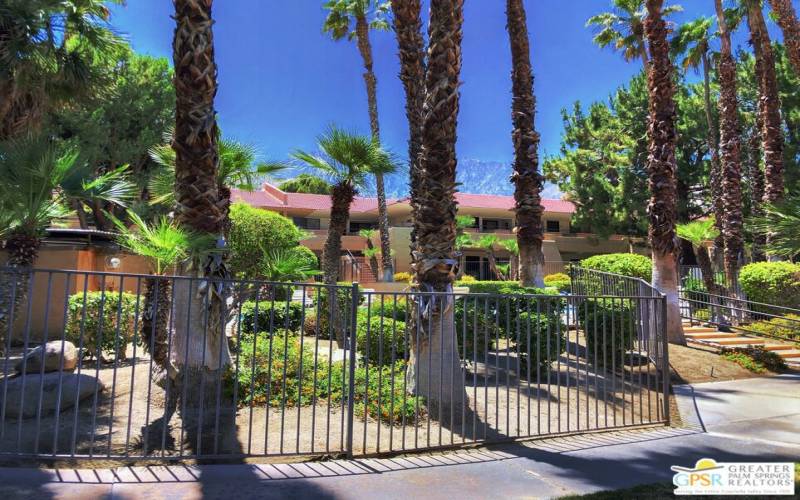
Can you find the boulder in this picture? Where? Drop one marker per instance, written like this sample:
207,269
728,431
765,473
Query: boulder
49,386
51,353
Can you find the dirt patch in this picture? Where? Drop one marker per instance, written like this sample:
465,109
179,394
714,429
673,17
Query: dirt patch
695,363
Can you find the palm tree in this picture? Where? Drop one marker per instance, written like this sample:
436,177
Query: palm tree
435,370
238,167
731,157
662,137
699,233
346,159
526,177
408,29
769,102
512,247
487,243
782,221
366,15
46,54
623,28
463,240
787,20
693,42
165,245
202,354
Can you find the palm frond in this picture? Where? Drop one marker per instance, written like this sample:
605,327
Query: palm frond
698,232
781,223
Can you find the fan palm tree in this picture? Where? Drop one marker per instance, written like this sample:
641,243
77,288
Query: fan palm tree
487,243
347,159
623,28
238,167
463,240
165,245
769,101
662,137
782,221
787,20
699,233
732,221
354,19
435,370
411,44
512,247
693,42
526,176
46,53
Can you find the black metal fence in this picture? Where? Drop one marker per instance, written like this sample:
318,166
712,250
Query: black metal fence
102,365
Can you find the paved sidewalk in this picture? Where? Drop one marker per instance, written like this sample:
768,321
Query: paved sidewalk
546,468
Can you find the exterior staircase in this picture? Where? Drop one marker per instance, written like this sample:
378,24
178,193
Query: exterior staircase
710,335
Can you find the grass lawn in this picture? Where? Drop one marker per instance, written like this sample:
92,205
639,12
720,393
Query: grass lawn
664,490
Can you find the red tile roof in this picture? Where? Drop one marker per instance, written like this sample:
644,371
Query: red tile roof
361,204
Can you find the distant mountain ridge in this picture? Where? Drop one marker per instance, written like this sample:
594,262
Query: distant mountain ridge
473,176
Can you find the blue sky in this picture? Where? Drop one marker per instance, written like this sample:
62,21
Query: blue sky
281,81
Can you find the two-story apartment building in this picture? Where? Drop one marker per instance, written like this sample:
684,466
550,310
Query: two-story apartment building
492,214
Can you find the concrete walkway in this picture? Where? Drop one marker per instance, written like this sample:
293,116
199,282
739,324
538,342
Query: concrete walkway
545,468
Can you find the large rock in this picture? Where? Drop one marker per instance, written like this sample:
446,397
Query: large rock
51,353
49,386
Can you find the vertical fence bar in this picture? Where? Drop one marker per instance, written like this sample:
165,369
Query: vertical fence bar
665,361
351,349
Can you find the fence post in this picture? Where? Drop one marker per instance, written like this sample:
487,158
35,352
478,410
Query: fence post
351,349
665,359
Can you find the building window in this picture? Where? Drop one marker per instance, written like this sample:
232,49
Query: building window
306,223
553,226
490,225
355,227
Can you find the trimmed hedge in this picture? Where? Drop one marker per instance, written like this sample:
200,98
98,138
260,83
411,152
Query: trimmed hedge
377,338
271,315
609,327
787,328
252,231
107,320
546,342
776,283
626,264
561,281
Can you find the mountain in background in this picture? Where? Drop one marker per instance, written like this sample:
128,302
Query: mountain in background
474,176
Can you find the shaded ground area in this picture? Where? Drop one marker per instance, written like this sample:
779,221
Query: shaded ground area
504,403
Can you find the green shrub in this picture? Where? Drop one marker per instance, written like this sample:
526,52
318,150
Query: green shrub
341,310
262,361
271,315
560,281
252,231
380,392
695,292
755,359
389,307
466,280
776,283
102,316
307,256
547,340
476,329
701,314
787,327
626,264
609,327
376,339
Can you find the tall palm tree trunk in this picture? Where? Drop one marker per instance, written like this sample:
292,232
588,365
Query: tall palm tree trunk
756,177
661,166
716,170
435,370
526,177
731,154
365,48
787,20
200,347
769,105
408,29
342,195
